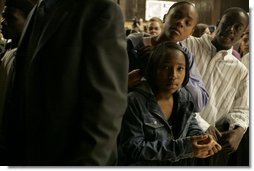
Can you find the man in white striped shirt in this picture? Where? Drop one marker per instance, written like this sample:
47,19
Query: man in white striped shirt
226,80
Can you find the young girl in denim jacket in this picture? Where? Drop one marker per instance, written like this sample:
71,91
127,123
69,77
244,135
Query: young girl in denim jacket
159,126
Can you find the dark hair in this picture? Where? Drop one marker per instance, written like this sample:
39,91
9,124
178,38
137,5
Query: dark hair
180,3
23,5
199,30
153,63
234,10
212,28
175,5
237,10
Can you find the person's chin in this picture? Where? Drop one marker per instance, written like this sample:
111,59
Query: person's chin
226,41
174,38
171,89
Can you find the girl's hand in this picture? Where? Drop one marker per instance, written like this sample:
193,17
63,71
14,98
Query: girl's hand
204,146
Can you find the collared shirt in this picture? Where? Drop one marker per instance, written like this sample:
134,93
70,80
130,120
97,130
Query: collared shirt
227,82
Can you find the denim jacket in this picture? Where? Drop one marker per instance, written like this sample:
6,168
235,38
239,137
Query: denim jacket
147,138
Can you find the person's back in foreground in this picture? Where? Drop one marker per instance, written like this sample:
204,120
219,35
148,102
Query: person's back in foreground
70,89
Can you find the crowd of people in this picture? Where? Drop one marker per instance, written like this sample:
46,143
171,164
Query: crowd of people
176,94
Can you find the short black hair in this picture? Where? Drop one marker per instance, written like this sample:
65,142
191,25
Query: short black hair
180,3
153,63
175,5
199,29
234,10
23,5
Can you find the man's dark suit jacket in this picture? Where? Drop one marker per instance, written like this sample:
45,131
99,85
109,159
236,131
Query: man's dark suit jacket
69,96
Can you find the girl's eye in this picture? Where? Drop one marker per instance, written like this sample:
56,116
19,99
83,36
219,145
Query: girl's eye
164,69
180,68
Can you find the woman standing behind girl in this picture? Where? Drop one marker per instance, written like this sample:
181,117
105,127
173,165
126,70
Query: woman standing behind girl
159,126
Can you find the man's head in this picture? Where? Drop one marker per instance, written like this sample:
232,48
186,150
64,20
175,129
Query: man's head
233,23
14,18
180,21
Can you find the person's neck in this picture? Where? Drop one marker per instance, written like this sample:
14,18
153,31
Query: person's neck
164,96
218,46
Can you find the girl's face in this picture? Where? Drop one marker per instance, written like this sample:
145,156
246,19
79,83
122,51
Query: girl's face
171,71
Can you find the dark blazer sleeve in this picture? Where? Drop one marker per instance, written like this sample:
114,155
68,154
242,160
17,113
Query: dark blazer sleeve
104,89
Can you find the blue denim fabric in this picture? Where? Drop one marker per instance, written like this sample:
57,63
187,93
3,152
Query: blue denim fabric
147,138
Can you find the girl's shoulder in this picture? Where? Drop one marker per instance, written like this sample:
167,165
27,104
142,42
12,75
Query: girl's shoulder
184,96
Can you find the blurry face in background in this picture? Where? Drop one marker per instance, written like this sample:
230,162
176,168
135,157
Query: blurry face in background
180,22
13,23
154,28
230,29
244,45
171,71
207,31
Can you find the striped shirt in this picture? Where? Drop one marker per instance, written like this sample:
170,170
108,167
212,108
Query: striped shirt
246,60
227,82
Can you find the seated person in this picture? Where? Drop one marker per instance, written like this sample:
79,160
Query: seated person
159,126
